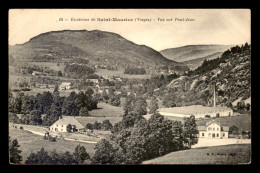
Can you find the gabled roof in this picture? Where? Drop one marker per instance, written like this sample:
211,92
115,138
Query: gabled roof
211,122
201,128
225,128
69,120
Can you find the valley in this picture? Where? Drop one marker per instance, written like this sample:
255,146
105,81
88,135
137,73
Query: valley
101,91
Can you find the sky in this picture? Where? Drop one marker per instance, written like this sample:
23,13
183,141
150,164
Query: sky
205,26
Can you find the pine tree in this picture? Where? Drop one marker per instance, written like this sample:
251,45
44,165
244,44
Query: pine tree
80,154
153,105
14,152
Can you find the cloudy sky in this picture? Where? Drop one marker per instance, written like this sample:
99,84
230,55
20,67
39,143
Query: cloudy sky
209,26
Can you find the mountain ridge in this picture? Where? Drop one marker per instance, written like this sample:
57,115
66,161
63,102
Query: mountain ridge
94,45
191,52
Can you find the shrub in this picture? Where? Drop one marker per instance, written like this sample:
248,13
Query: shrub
52,139
21,128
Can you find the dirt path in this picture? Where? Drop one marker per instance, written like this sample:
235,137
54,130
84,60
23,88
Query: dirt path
204,142
41,131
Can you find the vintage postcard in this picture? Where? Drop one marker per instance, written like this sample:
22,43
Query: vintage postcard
129,86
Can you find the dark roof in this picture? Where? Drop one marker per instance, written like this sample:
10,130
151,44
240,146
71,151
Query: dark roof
201,128
225,128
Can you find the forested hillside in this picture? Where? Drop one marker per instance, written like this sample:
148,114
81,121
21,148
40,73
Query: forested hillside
231,73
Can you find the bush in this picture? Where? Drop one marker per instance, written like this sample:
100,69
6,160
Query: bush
52,139
21,128
26,89
207,116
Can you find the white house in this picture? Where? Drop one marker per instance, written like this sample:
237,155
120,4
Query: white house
213,129
65,86
61,124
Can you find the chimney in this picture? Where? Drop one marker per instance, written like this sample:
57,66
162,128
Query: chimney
214,95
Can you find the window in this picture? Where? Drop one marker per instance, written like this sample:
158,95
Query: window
209,134
223,134
213,129
61,125
217,135
61,129
209,129
202,134
217,129
57,125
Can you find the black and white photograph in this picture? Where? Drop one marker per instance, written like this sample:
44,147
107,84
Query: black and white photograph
129,86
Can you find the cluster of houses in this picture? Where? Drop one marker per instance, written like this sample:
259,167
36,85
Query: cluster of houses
212,129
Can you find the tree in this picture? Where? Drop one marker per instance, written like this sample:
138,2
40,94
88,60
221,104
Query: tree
80,154
56,93
234,130
190,131
107,125
69,128
14,152
153,105
89,126
84,100
13,118
69,106
45,101
35,117
83,112
129,102
39,158
53,114
17,104
104,153
140,106
97,125
114,100
105,96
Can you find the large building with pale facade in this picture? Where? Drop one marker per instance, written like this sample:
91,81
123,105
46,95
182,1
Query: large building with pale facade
197,110
213,129
61,124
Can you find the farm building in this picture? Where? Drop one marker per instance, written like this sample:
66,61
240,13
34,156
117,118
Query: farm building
213,129
61,124
65,86
197,110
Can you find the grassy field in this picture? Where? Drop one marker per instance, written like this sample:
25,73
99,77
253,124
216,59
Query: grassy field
104,112
30,142
107,110
110,73
51,65
243,121
228,154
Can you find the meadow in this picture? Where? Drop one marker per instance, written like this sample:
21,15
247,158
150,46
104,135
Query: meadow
104,112
227,154
110,73
30,142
